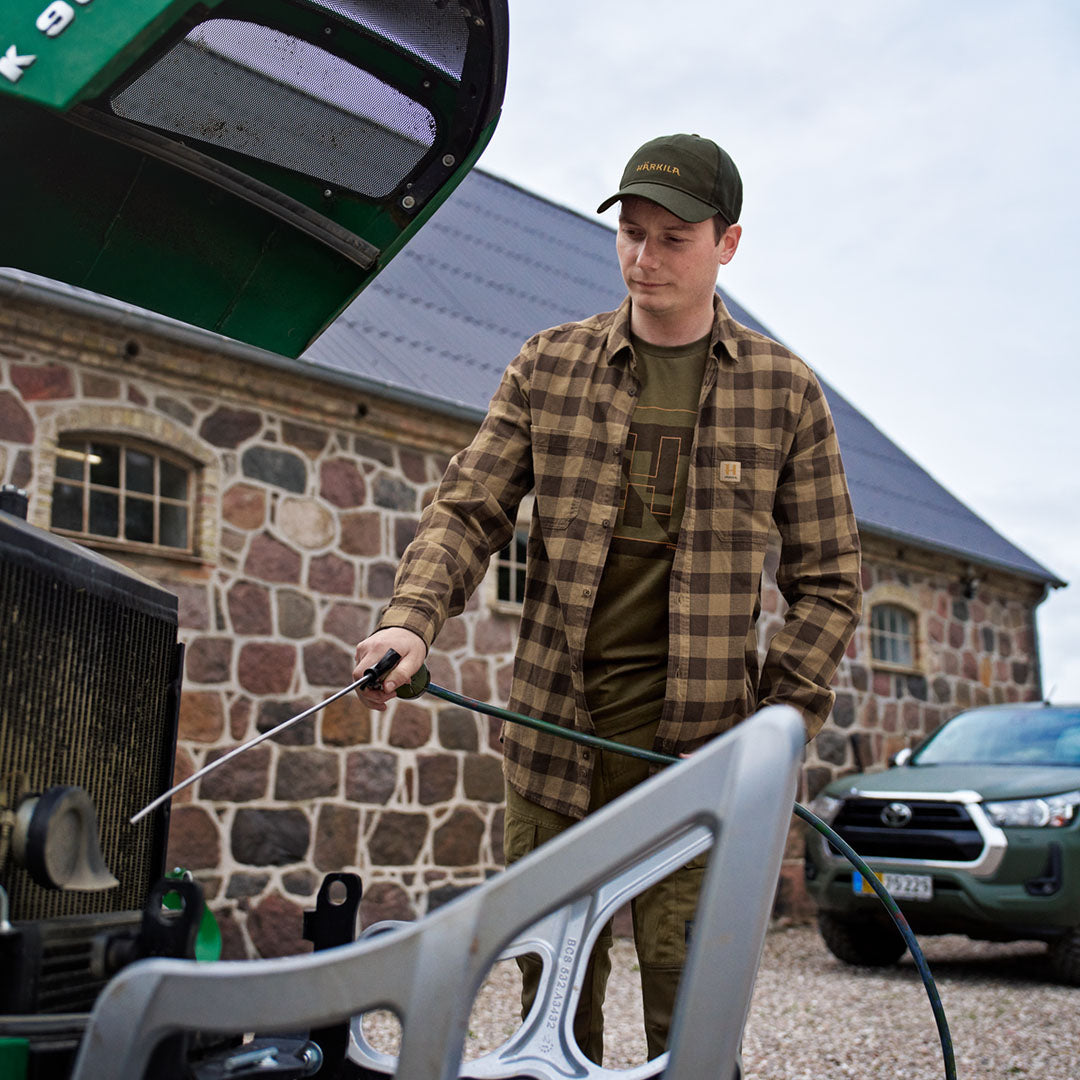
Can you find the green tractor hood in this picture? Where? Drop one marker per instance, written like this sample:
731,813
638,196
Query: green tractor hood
245,166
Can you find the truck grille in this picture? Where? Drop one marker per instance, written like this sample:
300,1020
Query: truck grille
937,830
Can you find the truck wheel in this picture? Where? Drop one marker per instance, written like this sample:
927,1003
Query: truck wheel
862,943
1064,955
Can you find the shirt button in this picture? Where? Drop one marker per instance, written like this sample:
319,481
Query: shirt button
616,452
586,592
607,523
632,391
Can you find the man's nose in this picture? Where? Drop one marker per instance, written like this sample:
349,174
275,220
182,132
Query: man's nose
647,253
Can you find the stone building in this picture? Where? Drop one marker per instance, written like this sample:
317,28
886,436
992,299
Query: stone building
274,498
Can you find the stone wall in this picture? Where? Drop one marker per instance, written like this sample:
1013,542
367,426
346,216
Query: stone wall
309,494
302,524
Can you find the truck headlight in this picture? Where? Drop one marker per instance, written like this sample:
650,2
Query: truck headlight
1052,811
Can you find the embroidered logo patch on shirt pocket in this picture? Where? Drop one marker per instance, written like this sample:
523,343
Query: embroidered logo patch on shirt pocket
743,490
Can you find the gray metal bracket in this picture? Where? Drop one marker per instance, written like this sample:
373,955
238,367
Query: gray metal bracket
736,793
544,1044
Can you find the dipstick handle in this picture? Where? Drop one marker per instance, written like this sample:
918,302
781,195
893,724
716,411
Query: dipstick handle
373,676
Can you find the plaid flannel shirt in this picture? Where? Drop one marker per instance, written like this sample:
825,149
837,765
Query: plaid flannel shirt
764,451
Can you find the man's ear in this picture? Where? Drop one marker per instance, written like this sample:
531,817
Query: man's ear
729,243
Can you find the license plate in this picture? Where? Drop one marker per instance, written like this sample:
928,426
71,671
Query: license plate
900,886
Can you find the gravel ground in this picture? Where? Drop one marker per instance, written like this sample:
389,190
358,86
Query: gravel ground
814,1018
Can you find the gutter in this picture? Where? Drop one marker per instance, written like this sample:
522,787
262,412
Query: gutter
1045,578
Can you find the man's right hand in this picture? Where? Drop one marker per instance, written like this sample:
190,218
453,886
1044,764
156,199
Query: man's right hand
409,646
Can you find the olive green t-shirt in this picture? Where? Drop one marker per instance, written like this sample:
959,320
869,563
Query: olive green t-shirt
626,649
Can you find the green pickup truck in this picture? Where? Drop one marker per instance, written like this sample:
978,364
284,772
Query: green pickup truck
976,831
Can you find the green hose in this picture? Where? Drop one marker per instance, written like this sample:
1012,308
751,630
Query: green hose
421,683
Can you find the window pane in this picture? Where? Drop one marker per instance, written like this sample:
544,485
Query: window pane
104,513
174,526
139,520
892,635
154,492
67,507
173,481
519,595
504,582
70,458
105,464
140,471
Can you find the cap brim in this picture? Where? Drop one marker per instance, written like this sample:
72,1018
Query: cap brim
677,202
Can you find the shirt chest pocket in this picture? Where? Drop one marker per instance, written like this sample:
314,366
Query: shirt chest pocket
742,480
564,466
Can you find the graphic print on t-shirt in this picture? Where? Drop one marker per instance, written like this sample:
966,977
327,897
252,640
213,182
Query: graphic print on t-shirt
626,647
654,480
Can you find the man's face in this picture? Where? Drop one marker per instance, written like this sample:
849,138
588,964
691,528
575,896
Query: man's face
669,265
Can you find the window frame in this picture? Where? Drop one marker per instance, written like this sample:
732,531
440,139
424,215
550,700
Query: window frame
906,609
506,558
124,442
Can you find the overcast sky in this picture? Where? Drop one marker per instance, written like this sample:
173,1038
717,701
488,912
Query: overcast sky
911,221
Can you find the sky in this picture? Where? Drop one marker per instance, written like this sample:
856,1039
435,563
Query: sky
911,213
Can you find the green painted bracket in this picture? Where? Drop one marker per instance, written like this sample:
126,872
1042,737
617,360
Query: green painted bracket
208,938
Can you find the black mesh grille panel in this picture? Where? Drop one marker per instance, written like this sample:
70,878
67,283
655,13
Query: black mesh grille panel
279,99
88,664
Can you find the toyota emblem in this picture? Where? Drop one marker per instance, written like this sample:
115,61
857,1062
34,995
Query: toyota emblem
896,815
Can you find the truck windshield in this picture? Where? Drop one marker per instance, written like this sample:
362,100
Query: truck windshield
1032,735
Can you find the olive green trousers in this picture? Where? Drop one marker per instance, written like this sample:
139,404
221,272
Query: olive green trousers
662,915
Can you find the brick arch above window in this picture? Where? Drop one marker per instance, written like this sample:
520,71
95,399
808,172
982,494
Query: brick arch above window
122,422
894,622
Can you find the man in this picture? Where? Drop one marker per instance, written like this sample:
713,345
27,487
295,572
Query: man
662,441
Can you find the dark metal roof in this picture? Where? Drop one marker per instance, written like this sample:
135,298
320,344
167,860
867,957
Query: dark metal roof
496,263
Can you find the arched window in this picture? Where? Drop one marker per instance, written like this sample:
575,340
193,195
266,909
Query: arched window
893,636
124,493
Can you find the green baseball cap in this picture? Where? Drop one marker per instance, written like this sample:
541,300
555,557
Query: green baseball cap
690,176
